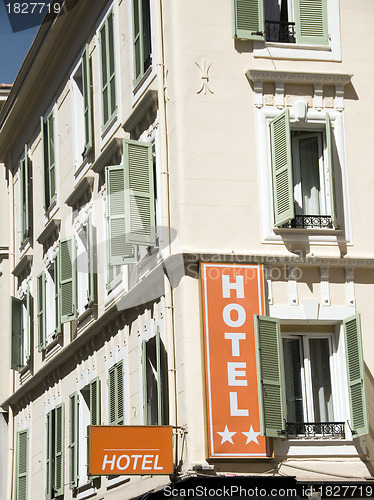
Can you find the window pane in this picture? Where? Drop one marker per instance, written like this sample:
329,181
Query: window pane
146,34
152,389
309,170
292,371
321,380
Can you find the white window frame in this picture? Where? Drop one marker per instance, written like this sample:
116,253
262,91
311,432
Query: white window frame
315,120
150,73
50,310
50,211
331,52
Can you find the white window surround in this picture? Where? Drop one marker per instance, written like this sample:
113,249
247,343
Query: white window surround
332,52
110,129
150,74
328,447
315,119
81,164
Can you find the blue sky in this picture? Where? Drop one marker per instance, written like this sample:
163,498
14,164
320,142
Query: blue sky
13,47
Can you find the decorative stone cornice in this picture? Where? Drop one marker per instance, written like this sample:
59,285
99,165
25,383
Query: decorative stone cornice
106,158
81,190
257,75
148,101
51,228
22,265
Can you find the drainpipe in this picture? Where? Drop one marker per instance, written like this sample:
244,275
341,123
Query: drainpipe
11,237
165,218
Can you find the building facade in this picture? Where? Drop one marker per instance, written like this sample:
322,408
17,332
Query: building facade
188,244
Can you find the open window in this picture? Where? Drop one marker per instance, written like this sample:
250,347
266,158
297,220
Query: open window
21,331
48,312
298,386
302,174
142,43
284,21
49,159
108,71
25,197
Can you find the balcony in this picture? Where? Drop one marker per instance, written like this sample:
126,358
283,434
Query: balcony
315,430
310,222
280,31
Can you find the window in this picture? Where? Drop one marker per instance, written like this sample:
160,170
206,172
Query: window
49,159
155,383
108,71
82,109
55,452
21,331
22,459
25,197
287,21
85,267
49,318
303,176
297,383
116,394
130,206
141,38
84,410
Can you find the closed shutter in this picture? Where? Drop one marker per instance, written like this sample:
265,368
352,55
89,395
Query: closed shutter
120,394
356,376
95,402
16,334
59,451
112,395
281,161
46,191
144,373
119,250
49,461
87,104
159,377
57,295
29,330
330,165
248,19
91,262
270,376
116,395
108,77
73,440
311,22
51,155
67,277
139,191
22,465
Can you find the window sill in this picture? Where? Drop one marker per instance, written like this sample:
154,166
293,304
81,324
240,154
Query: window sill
310,231
277,50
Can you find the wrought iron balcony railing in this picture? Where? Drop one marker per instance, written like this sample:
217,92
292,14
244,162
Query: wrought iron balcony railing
315,429
310,222
280,31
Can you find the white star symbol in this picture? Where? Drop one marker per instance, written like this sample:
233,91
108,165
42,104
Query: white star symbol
226,435
251,435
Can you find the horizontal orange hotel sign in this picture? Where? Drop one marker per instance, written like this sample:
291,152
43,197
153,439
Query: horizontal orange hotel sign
232,295
129,449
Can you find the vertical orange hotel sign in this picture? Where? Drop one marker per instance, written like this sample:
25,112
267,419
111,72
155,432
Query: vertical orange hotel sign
232,294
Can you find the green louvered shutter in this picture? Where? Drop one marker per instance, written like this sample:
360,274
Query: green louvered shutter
281,162
16,333
67,277
269,363
248,19
144,373
159,377
87,104
330,165
356,375
108,76
311,22
112,395
57,295
51,156
41,311
119,250
95,401
29,330
48,471
120,394
139,191
59,450
22,465
46,192
73,439
91,262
